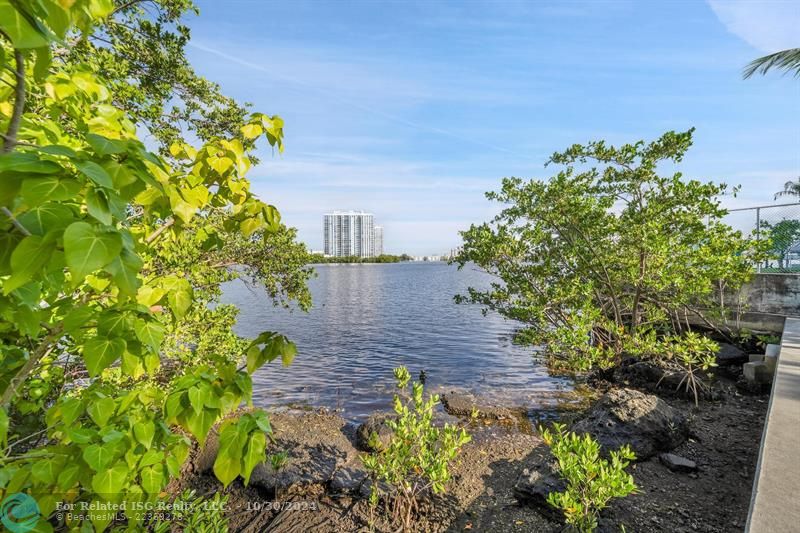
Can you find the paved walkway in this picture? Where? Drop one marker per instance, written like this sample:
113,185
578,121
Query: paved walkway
775,507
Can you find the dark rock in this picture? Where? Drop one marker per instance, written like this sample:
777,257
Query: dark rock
317,446
676,463
463,404
729,355
535,483
374,424
643,421
348,479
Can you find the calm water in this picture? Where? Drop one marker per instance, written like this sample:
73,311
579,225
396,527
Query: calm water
368,319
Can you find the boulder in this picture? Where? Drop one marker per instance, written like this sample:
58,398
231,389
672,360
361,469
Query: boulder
535,483
643,421
729,355
464,404
374,424
676,463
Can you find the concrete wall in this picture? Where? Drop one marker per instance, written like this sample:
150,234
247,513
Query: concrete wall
777,294
766,301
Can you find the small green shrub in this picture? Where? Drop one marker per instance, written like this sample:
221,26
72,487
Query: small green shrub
417,458
591,480
189,512
278,460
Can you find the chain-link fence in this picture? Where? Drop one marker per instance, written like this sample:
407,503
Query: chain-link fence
780,224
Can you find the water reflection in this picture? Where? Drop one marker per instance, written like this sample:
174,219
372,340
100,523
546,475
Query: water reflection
368,319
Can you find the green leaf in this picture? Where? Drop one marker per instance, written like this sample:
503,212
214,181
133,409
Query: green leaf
179,296
99,456
36,191
96,173
97,206
46,217
220,164
200,424
105,146
144,433
45,470
152,478
19,29
149,332
110,481
42,65
255,454
69,476
227,466
88,248
124,271
28,163
99,353
197,398
28,258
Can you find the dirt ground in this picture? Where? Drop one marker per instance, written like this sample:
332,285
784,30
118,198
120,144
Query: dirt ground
724,442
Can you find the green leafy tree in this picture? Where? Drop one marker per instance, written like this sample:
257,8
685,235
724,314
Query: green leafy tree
139,51
606,250
782,236
787,60
100,264
417,458
591,480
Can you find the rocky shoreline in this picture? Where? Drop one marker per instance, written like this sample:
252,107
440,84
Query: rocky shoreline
694,467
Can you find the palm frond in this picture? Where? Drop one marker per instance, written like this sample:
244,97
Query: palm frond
788,60
790,188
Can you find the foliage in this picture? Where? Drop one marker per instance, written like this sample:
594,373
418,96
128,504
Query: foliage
790,188
139,50
383,258
190,512
597,256
591,480
418,455
782,236
107,253
787,60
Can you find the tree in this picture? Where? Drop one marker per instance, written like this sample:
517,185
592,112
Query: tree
790,188
788,60
105,248
615,254
782,236
139,50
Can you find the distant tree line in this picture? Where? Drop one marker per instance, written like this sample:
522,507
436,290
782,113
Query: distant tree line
383,258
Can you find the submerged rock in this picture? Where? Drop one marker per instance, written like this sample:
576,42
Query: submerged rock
643,421
464,404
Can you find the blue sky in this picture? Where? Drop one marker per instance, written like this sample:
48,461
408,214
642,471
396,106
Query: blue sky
412,110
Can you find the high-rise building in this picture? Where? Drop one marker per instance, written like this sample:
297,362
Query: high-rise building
377,241
349,233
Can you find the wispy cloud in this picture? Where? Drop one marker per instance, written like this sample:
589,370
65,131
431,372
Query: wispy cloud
767,25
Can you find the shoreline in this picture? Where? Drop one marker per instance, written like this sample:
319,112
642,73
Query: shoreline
322,476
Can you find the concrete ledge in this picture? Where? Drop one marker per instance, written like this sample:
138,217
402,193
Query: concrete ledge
775,506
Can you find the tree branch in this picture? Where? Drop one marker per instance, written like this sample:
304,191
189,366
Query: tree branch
10,138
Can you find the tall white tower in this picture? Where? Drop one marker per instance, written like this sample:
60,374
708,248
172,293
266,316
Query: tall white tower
349,233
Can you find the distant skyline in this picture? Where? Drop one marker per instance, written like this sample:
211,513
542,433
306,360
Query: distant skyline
412,110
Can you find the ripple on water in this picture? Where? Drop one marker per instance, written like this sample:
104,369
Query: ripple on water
369,319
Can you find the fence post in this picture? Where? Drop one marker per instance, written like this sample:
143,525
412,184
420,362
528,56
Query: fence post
758,233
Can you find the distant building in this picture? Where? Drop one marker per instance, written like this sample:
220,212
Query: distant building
350,233
377,241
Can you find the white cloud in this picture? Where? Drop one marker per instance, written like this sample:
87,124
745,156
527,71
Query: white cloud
768,25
